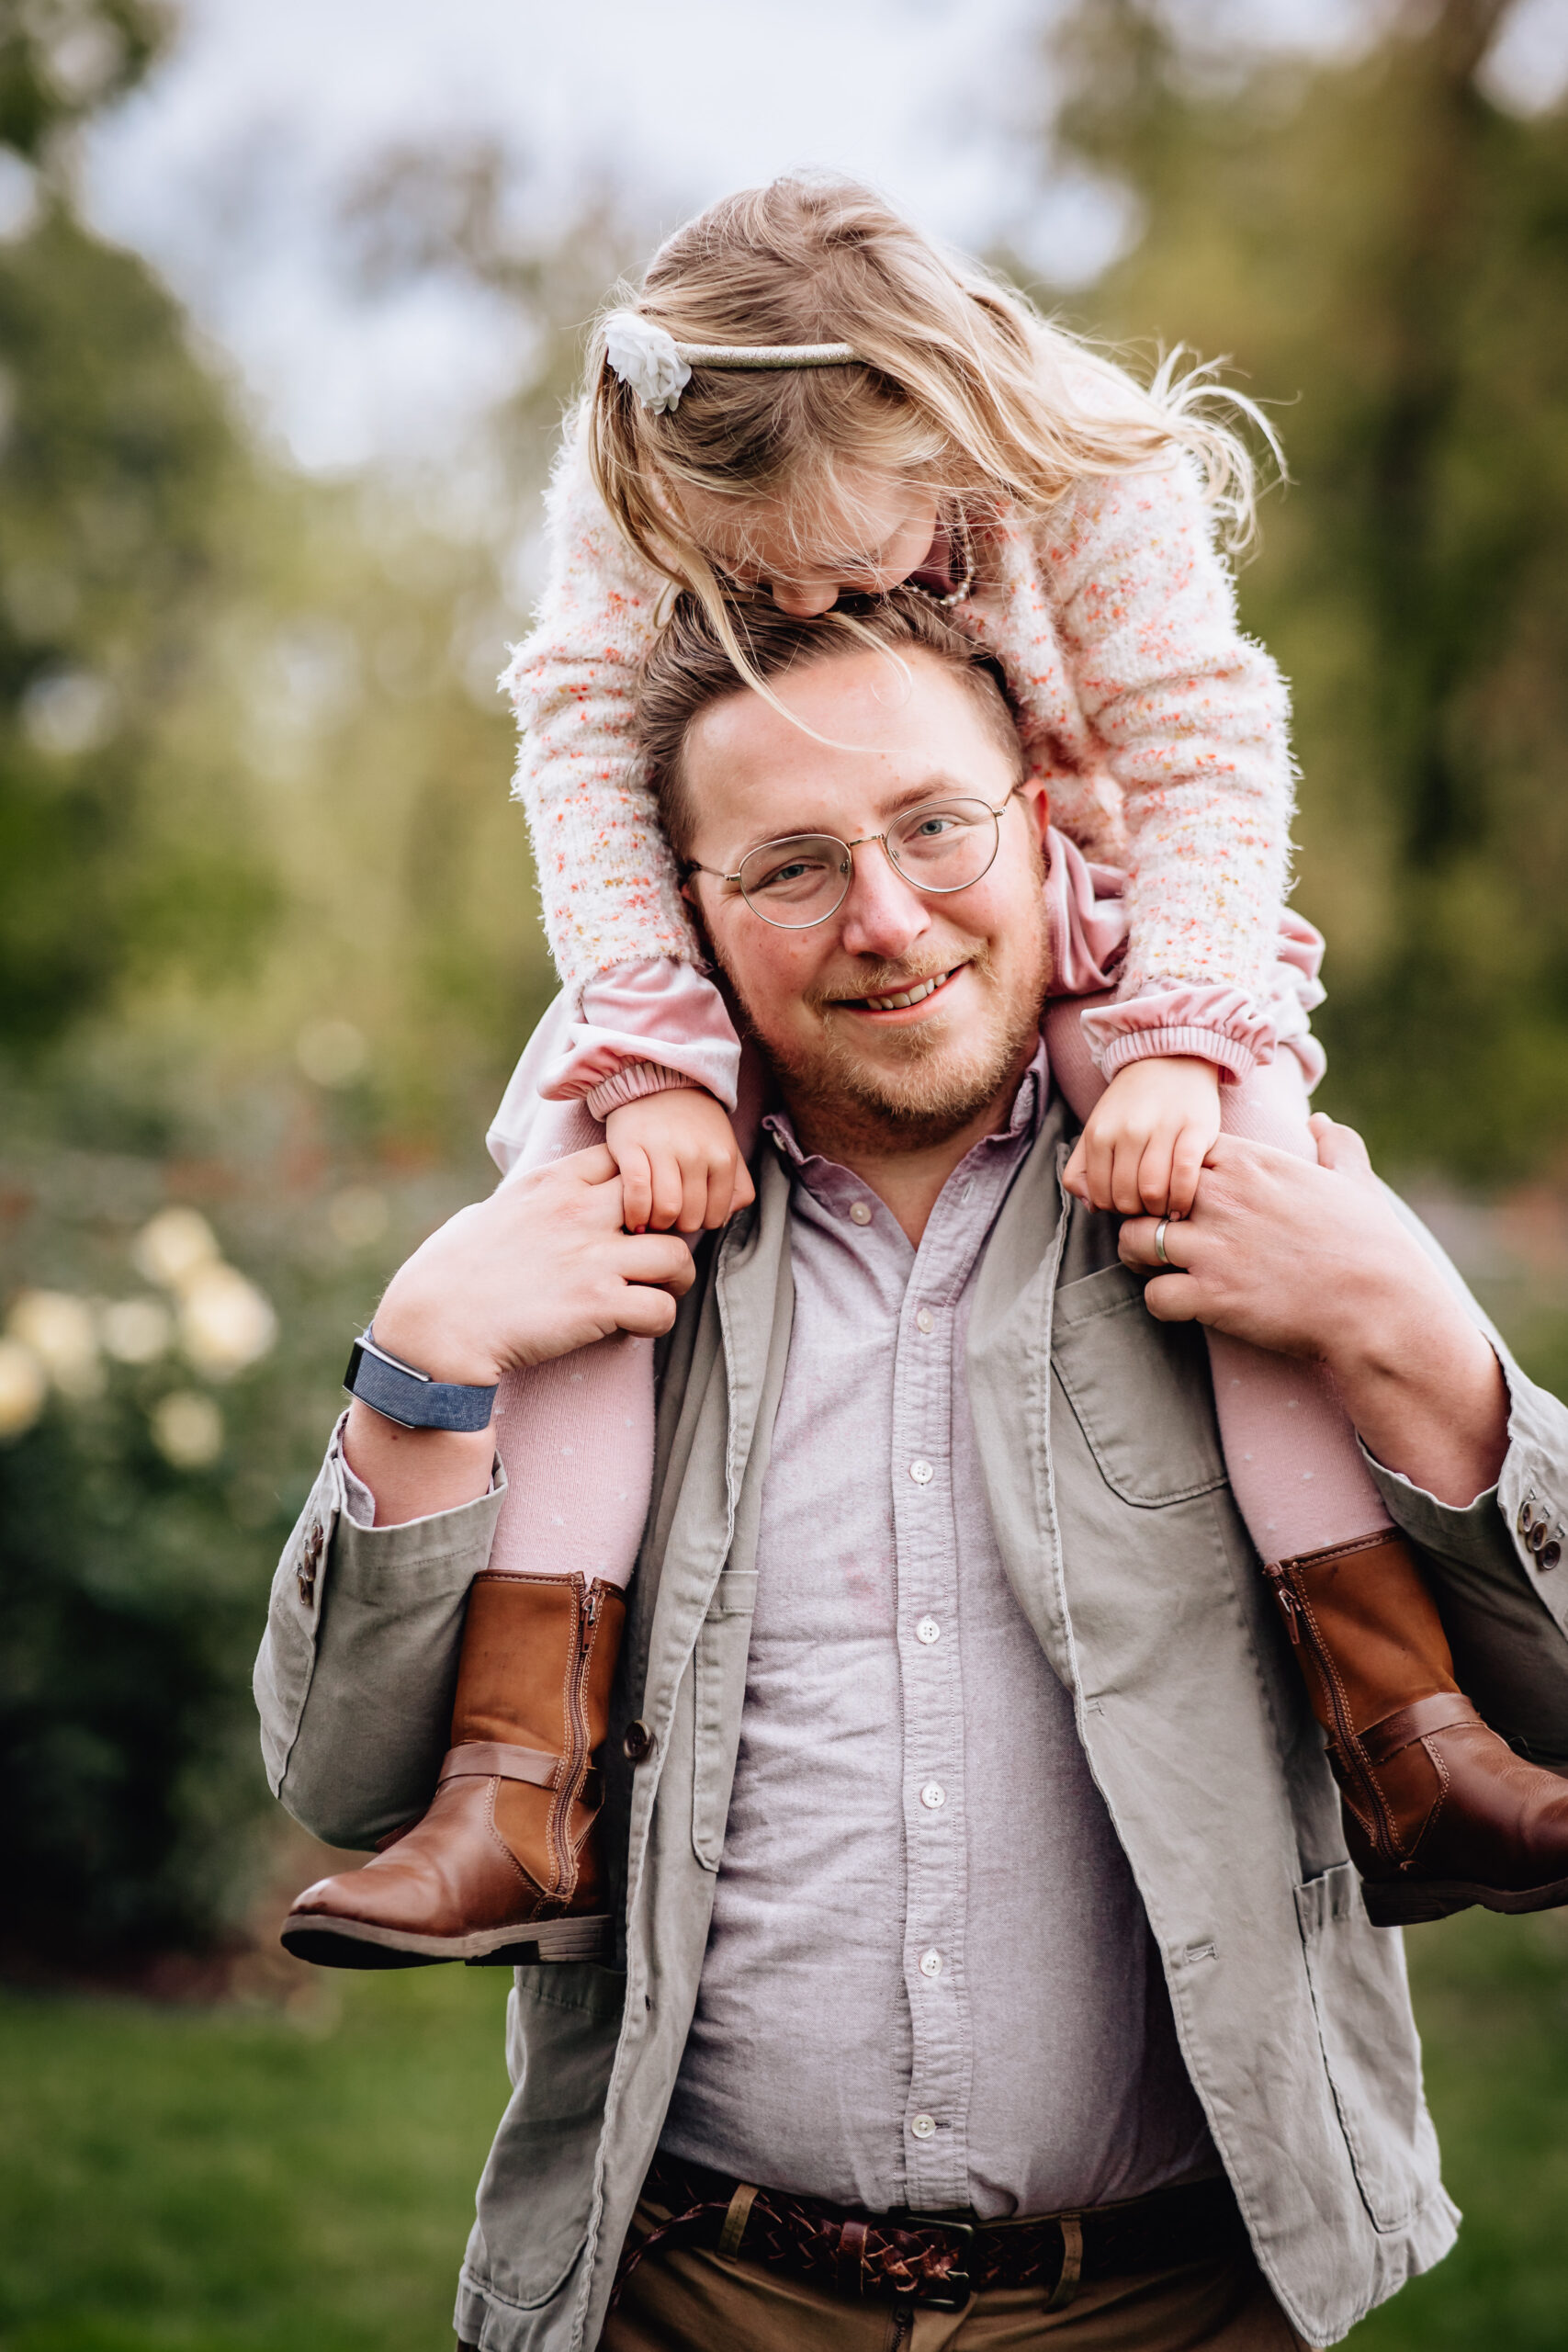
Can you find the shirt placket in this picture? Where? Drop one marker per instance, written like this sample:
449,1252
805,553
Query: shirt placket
936,2153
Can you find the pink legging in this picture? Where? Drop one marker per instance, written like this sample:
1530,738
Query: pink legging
577,1435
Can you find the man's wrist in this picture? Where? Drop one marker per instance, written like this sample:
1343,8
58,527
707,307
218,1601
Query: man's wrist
422,1335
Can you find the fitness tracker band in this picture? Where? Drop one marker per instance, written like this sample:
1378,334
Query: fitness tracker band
399,1393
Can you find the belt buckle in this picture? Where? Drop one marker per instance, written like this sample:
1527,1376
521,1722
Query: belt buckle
958,2285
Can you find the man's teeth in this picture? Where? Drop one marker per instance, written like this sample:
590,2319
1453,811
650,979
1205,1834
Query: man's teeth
911,996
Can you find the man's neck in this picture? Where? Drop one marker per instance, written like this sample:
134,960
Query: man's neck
907,1179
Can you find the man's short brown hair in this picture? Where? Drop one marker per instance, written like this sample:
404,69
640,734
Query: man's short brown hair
687,668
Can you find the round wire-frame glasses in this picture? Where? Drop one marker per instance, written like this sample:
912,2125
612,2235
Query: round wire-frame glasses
802,880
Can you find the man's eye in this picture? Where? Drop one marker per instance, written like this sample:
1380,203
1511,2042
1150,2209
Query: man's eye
790,874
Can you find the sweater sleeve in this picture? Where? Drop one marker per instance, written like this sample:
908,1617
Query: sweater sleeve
607,878
1191,717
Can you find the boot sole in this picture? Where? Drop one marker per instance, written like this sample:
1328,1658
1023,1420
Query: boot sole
355,1943
1396,1903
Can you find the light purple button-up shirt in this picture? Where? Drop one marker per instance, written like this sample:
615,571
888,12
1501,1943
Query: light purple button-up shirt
929,1981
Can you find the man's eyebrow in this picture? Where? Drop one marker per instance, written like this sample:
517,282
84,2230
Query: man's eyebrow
939,787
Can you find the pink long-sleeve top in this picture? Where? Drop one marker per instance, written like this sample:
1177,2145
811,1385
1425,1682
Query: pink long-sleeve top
1160,729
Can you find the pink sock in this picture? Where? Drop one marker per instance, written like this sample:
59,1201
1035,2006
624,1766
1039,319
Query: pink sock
1295,1468
576,1434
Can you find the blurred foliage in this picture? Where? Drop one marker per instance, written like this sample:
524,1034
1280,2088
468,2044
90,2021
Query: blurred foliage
267,949
1383,252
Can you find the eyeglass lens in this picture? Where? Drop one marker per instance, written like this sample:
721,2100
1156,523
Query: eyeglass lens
941,845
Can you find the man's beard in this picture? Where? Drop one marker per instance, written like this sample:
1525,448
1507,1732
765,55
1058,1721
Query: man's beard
931,1092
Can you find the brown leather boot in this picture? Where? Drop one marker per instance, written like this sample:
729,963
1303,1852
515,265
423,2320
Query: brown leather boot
504,1868
1440,1813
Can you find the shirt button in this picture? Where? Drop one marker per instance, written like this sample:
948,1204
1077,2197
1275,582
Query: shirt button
922,1473
860,1212
933,1796
923,2126
925,1320
928,1630
931,1963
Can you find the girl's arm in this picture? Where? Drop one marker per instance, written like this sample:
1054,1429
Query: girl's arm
1191,718
649,1018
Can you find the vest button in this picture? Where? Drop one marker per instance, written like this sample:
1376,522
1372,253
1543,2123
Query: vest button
638,1741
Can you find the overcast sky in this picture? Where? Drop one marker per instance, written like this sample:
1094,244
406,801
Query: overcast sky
226,168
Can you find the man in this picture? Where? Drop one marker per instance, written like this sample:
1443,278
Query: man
976,1848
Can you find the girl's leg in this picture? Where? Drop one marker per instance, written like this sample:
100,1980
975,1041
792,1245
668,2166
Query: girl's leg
576,1434
1295,1467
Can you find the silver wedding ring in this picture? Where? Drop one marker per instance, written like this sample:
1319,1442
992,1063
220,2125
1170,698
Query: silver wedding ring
1160,1241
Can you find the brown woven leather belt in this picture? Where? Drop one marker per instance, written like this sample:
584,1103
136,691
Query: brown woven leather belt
917,2259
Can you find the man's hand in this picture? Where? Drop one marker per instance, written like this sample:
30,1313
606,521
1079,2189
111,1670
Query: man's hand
1314,1261
542,1267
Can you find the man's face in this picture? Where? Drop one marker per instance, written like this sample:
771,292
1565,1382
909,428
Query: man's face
852,1065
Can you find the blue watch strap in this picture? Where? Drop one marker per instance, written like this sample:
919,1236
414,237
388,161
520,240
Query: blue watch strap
399,1393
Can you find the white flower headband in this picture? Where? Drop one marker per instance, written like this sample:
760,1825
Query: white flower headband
652,364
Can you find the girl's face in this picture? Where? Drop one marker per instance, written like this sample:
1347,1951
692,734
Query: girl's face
870,532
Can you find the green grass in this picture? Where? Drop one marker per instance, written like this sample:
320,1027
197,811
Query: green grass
1492,1997
258,2180
234,2180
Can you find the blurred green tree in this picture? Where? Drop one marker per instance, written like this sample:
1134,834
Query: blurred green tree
120,478
1382,248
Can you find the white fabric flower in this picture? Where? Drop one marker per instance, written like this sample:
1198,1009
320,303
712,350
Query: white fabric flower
646,359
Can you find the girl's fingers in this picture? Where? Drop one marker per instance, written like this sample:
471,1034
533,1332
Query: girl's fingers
742,1192
1186,1167
636,1188
1154,1177
669,1195
1127,1195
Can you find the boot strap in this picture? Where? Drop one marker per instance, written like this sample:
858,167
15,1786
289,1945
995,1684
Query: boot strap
1447,1711
495,1759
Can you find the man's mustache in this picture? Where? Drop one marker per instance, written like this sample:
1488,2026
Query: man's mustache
887,980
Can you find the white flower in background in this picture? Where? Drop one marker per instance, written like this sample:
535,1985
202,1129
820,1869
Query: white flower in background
187,1430
174,1247
331,1052
645,358
226,1322
68,712
59,1331
24,1386
358,1215
136,1331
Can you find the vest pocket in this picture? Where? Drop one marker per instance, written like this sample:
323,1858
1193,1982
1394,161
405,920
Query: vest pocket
1139,1390
1371,2052
718,1681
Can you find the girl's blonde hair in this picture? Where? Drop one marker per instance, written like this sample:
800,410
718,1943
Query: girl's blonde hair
961,386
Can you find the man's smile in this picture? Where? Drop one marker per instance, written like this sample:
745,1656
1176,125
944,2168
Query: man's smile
904,999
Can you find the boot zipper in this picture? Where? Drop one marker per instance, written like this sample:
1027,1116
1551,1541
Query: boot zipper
1299,1621
587,1621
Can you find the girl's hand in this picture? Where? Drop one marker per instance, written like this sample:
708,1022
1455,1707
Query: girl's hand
1144,1142
680,1163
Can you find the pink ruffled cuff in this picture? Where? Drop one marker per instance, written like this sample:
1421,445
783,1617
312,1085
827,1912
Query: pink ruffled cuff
1220,1024
631,1083
654,1013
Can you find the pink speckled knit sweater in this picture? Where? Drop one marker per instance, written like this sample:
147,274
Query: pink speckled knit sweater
1160,729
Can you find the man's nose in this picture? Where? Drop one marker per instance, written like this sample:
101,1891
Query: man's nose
881,915
804,600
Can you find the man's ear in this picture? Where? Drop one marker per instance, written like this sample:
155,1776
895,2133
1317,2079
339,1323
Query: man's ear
1035,795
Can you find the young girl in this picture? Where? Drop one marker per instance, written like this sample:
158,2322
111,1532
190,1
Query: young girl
806,400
